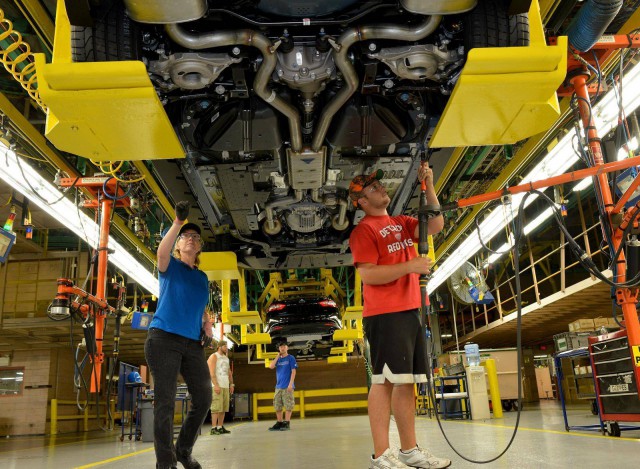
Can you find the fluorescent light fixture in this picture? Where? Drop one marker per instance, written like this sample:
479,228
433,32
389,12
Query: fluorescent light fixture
539,220
446,336
628,149
557,161
582,185
500,252
66,212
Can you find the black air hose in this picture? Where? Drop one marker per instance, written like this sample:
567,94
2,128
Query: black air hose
591,22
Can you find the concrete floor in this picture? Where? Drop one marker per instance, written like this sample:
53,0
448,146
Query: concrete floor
344,442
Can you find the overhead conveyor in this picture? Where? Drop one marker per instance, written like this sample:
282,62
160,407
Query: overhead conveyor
510,89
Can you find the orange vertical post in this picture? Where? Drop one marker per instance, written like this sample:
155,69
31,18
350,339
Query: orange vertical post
625,297
101,289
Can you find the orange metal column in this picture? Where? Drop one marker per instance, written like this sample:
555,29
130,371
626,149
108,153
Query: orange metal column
625,298
101,290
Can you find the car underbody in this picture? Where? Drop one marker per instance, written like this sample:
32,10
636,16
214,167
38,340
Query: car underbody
278,105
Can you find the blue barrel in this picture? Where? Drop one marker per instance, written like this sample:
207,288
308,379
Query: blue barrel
472,352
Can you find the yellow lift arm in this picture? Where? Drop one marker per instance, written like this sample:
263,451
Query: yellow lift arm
103,111
505,94
222,267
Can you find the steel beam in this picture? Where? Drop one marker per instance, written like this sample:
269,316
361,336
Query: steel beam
39,20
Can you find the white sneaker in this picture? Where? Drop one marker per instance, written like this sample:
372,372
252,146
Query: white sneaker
387,460
419,457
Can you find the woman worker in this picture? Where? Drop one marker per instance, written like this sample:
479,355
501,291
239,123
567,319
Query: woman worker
178,333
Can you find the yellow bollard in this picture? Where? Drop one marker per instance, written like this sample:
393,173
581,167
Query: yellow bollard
86,419
54,416
301,403
255,407
494,390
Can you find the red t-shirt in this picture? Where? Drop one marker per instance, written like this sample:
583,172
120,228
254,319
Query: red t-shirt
386,240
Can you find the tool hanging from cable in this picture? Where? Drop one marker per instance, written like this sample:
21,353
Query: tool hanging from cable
93,308
423,250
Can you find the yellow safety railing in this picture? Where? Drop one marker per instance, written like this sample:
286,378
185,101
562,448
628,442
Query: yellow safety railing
84,416
302,406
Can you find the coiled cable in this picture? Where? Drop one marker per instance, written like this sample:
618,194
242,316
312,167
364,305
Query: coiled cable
17,59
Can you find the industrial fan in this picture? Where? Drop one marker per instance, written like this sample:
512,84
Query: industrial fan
468,285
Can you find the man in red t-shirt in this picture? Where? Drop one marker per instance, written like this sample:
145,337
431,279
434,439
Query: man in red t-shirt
384,253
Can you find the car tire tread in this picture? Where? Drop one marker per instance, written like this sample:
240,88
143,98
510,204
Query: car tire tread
489,25
113,37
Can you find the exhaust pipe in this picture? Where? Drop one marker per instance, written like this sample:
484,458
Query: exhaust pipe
344,42
339,221
272,226
246,37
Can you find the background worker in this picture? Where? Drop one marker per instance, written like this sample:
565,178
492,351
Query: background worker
178,333
384,253
286,367
222,381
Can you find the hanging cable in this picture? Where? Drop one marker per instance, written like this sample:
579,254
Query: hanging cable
115,197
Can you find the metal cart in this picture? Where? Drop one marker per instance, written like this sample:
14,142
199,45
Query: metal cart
616,381
133,397
570,354
452,397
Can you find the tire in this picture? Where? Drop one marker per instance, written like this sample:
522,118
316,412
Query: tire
113,37
613,428
489,25
507,405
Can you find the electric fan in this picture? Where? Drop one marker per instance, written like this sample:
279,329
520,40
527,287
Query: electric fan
468,286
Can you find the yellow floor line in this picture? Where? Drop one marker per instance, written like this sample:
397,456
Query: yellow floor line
117,458
541,430
124,456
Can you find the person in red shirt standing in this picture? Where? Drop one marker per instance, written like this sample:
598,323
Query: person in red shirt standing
384,252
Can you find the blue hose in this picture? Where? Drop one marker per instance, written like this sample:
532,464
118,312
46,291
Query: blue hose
591,22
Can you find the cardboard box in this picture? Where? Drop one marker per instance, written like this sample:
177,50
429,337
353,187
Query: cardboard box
450,359
582,325
601,322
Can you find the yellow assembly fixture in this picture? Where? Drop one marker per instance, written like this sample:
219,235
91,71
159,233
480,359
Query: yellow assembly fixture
16,56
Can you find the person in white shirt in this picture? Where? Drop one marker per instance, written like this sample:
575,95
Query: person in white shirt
222,381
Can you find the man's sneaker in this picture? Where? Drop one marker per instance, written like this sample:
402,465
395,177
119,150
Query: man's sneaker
420,457
276,427
214,431
223,430
387,460
285,426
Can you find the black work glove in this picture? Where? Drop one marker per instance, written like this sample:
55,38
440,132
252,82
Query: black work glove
182,210
205,340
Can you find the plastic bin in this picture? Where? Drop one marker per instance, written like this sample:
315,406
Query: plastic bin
571,341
